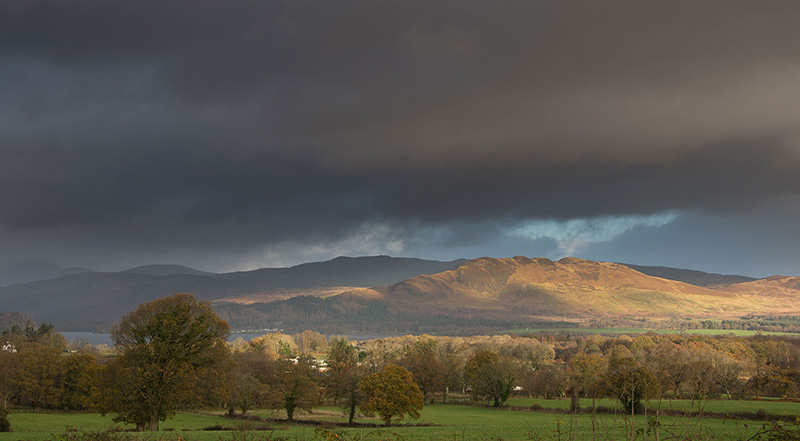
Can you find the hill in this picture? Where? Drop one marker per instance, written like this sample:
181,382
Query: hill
490,292
166,270
344,271
91,300
385,294
569,286
694,277
775,287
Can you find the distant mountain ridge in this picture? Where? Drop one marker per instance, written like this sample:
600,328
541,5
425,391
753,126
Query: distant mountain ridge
12,273
379,293
87,300
166,270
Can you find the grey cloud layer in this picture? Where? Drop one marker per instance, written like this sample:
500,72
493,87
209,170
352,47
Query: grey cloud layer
261,122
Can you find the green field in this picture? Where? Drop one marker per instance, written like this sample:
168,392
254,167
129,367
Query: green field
736,332
772,407
43,425
444,422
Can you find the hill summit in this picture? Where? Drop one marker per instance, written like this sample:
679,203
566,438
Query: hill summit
522,286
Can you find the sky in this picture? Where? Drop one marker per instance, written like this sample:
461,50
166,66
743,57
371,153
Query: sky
234,135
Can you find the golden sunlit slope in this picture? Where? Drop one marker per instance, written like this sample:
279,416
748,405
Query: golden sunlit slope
779,294
283,294
519,286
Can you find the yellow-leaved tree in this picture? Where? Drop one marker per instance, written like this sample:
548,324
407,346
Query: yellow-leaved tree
391,393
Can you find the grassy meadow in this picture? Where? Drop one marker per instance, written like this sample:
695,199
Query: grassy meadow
772,407
437,422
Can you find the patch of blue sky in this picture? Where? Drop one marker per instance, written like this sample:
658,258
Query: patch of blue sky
574,235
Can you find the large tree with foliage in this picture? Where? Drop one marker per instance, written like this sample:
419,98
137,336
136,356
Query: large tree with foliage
490,376
630,383
297,386
453,357
38,376
427,370
254,377
79,381
344,376
172,354
391,393
9,364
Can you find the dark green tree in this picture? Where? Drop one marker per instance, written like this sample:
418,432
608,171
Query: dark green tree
630,383
490,376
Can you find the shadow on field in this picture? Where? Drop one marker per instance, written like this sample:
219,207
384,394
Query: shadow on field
319,423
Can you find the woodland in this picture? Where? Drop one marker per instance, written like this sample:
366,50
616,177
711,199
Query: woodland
173,353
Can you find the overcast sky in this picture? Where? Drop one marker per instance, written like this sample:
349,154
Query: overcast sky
229,135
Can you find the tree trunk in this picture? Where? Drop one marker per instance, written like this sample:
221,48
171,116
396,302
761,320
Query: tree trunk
574,401
290,413
633,394
153,423
352,413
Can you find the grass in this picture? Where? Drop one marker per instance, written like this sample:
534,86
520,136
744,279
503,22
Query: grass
468,423
736,332
772,407
38,426
455,422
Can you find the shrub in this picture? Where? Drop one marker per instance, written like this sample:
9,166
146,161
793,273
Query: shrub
215,427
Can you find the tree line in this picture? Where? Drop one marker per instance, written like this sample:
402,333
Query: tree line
172,354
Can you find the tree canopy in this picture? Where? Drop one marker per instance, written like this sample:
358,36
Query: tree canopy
172,353
345,375
391,393
490,376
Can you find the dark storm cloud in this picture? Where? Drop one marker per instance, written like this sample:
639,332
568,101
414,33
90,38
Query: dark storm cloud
223,123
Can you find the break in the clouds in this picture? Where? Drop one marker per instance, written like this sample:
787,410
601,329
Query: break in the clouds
578,234
238,134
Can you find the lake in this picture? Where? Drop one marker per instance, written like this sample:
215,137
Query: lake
97,338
